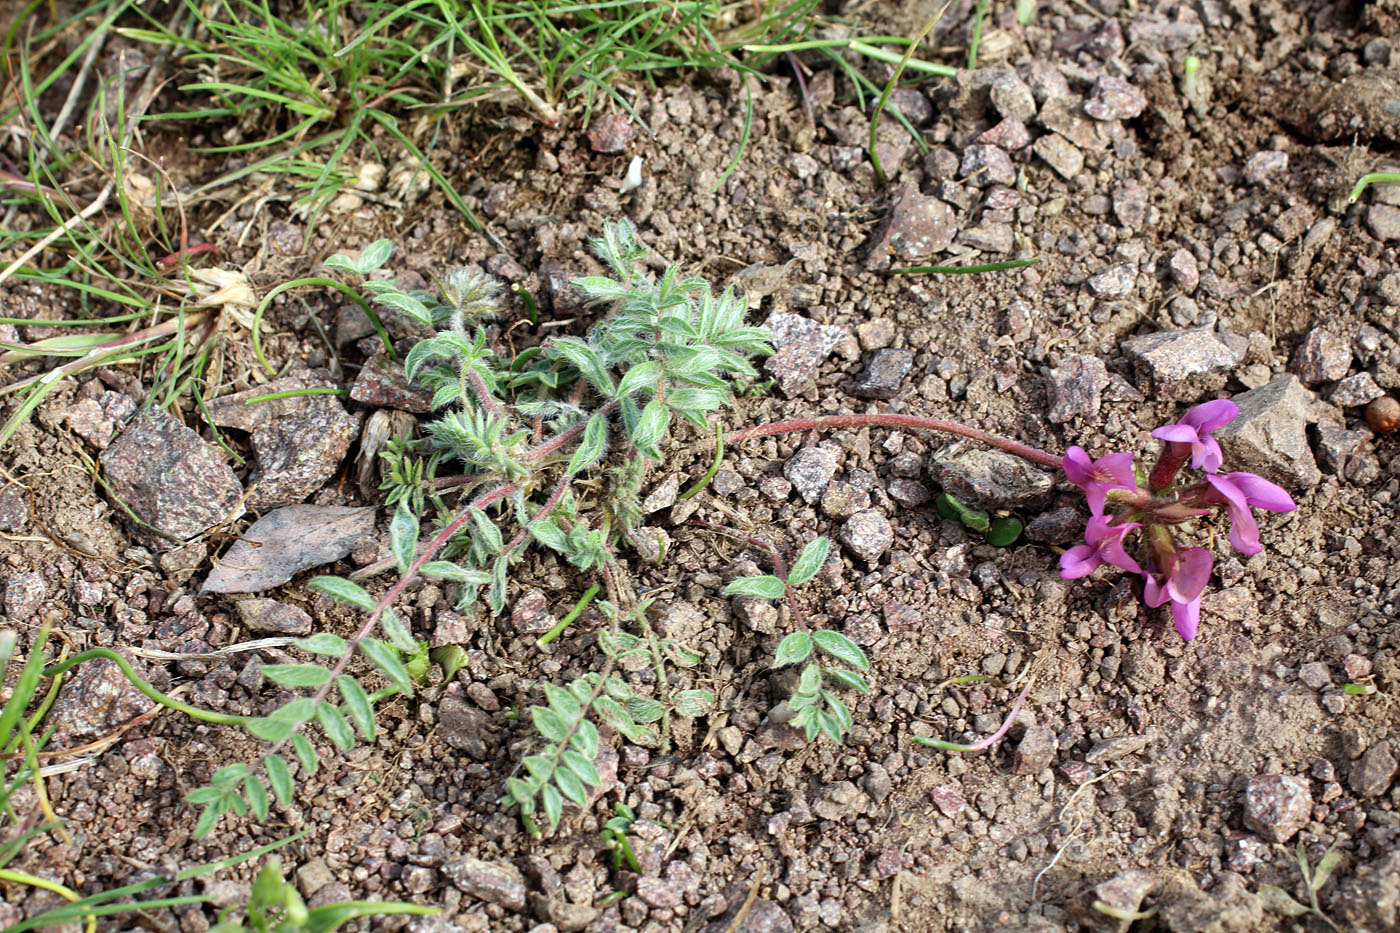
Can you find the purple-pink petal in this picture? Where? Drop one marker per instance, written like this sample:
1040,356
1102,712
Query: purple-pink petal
1117,468
1079,561
1191,574
1154,593
1207,455
1176,433
1078,466
1211,416
1262,494
1187,617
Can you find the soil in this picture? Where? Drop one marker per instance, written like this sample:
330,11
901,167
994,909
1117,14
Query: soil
1135,751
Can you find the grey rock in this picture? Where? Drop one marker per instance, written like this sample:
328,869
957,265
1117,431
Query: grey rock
876,783
1184,270
758,615
884,374
948,801
269,617
611,133
800,345
530,615
1113,283
764,916
464,727
810,470
313,876
1355,391
1156,32
382,383
1173,361
877,334
1383,221
1076,387
842,500
918,226
838,802
1012,97
909,493
659,892
1130,204
1321,357
1106,44
913,104
1315,675
1336,446
1057,526
1008,134
24,592
867,535
1372,773
493,882
1066,117
1114,99
986,165
1060,154
1035,752
170,478
1367,900
1262,167
991,478
991,237
14,509
1115,748
662,495
1269,437
98,700
1276,806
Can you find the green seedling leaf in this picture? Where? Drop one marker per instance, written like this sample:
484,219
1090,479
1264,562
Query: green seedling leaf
280,777
1004,531
582,767
765,587
642,709
590,448
849,679
1359,690
693,703
256,795
306,754
299,710
372,257
585,739
296,675
358,704
451,658
343,590
793,649
325,643
1279,901
810,561
553,805
570,786
399,635
403,535
1325,867
954,510
446,570
549,723
842,648
386,658
337,729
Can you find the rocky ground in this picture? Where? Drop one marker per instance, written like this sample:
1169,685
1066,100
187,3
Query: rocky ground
1190,248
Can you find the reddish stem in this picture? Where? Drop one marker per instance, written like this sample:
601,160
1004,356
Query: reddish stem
913,422
536,454
167,262
779,568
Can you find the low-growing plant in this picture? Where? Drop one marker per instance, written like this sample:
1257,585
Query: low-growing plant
1315,878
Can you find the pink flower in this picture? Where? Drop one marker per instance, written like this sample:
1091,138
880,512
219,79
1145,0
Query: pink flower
1182,584
1241,491
1105,546
1097,477
1193,432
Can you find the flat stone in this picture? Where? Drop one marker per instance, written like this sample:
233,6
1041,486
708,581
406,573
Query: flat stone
1060,154
1115,748
918,227
464,726
299,440
1012,97
842,500
1124,892
1372,773
1336,446
867,535
991,479
269,617
14,509
1114,99
382,384
662,495
877,334
313,876
948,801
764,916
1075,387
1269,436
1276,806
1172,361
884,374
97,701
990,238
810,470
1036,751
1113,283
909,493
1321,357
800,346
1263,167
1057,526
984,165
1383,221
611,133
530,614
497,883
1066,117
170,478
1008,134
1355,391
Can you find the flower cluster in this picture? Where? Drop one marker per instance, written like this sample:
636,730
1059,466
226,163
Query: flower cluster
1174,575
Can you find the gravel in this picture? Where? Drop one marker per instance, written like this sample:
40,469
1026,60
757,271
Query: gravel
1276,806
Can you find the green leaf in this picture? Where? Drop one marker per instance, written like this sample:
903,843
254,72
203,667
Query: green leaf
306,754
810,680
1279,901
1004,531
641,376
496,595
810,561
563,702
642,709
839,711
541,769
230,774
519,791
296,675
793,649
358,703
570,786
299,710
842,648
373,256
337,729
848,679
446,570
549,723
590,448
398,634
280,777
651,428
548,533
256,794
693,703
1325,866
582,767
829,726
204,795
345,591
325,643
403,535
955,510
765,587
386,658
207,820
486,529
585,739
342,263
553,805
451,658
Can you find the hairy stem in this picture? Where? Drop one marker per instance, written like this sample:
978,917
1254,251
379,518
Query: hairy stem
912,422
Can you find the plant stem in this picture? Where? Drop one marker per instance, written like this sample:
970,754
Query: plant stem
140,683
913,422
568,620
536,454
